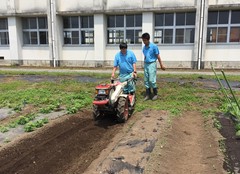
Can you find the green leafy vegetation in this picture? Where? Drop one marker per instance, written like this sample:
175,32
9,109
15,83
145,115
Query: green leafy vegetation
231,104
31,126
72,95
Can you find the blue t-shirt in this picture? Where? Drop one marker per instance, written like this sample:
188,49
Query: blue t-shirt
150,53
125,62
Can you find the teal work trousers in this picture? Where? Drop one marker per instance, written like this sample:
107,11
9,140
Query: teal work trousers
130,87
150,75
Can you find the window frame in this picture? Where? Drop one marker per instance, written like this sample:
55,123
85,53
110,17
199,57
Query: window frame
4,31
28,31
173,28
80,40
218,26
123,33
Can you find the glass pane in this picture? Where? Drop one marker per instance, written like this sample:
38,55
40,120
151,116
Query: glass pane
83,37
26,38
130,36
158,36
3,24
4,39
223,17
235,19
42,22
179,36
91,37
33,23
25,23
67,37
212,17
211,34
90,22
168,36
120,21
87,37
159,19
180,18
138,20
111,21
190,18
168,21
222,34
119,36
189,35
66,22
75,37
129,20
34,39
138,36
75,22
235,34
110,36
84,22
43,37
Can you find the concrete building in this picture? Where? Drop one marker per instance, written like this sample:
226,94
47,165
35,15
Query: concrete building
86,33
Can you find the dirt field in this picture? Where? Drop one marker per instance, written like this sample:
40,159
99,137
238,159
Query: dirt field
76,144
150,142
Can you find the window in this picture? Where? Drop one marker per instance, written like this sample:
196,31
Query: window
4,36
78,30
223,26
35,31
174,28
124,28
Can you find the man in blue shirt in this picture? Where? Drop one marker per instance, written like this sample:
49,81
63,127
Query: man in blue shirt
151,54
126,61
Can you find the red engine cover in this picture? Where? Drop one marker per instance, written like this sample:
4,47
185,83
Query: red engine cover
103,86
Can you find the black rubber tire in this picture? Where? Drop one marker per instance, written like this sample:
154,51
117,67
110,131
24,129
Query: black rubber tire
122,110
96,113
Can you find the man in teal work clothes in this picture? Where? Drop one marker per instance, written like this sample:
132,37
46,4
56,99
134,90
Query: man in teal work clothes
151,54
126,61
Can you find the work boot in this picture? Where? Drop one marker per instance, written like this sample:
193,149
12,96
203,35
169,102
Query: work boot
148,93
155,97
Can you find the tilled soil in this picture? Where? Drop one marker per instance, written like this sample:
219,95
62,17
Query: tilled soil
147,143
66,145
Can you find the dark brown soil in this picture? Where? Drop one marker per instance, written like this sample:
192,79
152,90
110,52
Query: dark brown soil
232,145
68,144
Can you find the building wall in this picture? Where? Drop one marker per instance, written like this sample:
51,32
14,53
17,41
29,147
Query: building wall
101,53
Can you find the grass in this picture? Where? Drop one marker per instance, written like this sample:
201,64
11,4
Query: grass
72,95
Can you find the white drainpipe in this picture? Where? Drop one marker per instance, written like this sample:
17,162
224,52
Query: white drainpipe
52,41
201,26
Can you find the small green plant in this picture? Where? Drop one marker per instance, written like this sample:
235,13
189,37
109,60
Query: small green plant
4,129
6,140
217,123
31,126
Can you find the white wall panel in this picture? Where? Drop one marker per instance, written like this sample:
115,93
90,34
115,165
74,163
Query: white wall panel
76,5
76,53
36,6
3,6
173,3
180,53
222,53
35,53
123,4
5,52
223,2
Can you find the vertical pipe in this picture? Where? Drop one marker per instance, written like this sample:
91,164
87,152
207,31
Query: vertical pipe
200,42
52,9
